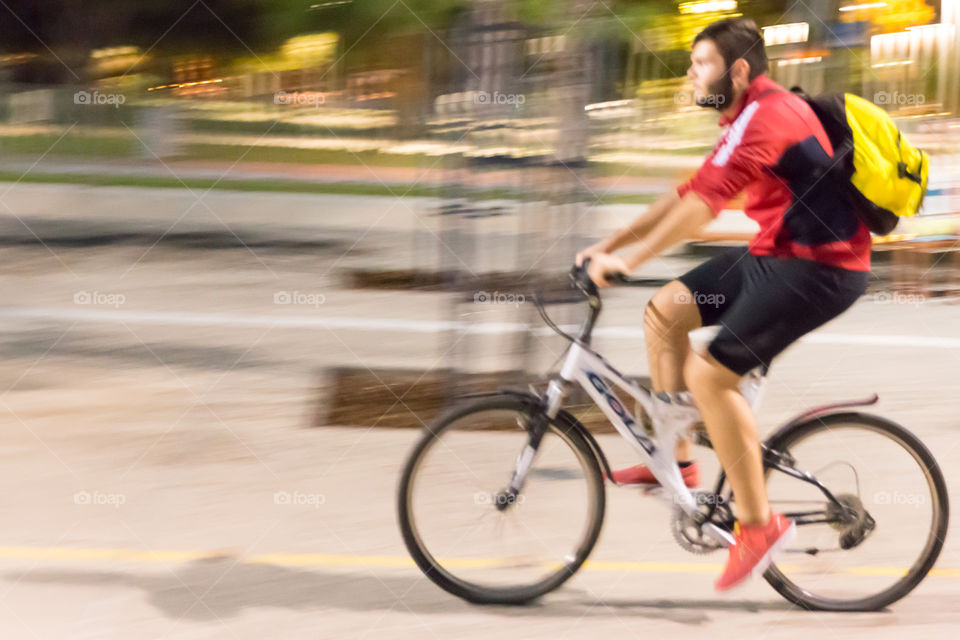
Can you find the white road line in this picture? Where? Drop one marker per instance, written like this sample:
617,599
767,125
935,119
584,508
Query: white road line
190,319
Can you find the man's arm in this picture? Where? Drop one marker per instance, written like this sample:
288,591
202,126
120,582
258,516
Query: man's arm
684,219
681,221
637,229
733,165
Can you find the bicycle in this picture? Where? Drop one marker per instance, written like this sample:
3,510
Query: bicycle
839,561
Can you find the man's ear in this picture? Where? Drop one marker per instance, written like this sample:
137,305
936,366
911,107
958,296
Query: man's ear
740,74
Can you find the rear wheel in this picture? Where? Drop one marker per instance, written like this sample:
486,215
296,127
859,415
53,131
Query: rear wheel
885,534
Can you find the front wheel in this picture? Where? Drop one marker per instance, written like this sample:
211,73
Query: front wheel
880,537
473,537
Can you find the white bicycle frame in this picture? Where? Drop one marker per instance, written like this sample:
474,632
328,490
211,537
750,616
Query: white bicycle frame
670,419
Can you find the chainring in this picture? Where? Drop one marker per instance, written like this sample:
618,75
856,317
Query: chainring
689,535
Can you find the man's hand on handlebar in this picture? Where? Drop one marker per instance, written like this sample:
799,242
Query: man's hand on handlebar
600,247
602,265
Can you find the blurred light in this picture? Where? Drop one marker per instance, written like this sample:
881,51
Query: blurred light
869,5
890,45
905,46
792,61
181,85
917,116
677,32
786,33
545,45
380,95
115,60
109,52
608,105
14,58
611,109
310,49
708,6
904,13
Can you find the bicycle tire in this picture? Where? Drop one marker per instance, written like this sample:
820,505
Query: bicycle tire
568,429
782,441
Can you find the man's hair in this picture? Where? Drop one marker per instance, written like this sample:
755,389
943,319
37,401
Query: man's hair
737,38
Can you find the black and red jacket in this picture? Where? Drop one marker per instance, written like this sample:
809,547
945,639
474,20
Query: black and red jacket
775,150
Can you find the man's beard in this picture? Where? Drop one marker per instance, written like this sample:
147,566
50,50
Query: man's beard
719,93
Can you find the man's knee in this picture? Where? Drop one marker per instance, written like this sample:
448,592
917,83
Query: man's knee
671,313
704,375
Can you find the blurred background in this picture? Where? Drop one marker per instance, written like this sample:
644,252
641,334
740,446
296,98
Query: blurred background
523,124
234,231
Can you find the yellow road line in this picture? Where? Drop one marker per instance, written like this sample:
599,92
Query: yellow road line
59,553
357,561
327,560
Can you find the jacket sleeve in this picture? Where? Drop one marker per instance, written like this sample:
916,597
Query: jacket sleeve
749,146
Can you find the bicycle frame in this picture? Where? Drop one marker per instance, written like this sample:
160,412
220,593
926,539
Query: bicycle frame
587,368
672,415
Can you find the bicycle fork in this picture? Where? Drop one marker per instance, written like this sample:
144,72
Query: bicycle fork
535,429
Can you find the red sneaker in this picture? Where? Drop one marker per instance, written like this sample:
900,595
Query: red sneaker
754,548
641,474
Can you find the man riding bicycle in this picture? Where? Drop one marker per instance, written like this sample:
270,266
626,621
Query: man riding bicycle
808,263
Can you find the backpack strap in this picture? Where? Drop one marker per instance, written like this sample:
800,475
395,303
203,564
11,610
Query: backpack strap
902,170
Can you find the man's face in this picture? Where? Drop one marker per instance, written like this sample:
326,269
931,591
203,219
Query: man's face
708,75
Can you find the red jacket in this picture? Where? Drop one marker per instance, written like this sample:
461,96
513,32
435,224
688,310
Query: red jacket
766,151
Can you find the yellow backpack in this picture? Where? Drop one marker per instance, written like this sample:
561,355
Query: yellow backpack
887,174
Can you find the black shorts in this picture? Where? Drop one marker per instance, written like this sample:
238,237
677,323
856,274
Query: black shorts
763,303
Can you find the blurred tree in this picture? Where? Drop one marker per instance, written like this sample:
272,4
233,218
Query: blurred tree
68,29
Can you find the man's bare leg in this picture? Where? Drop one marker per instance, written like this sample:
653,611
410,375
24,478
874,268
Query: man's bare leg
733,432
668,319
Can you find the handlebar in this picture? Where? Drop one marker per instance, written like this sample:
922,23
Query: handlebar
582,282
618,278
